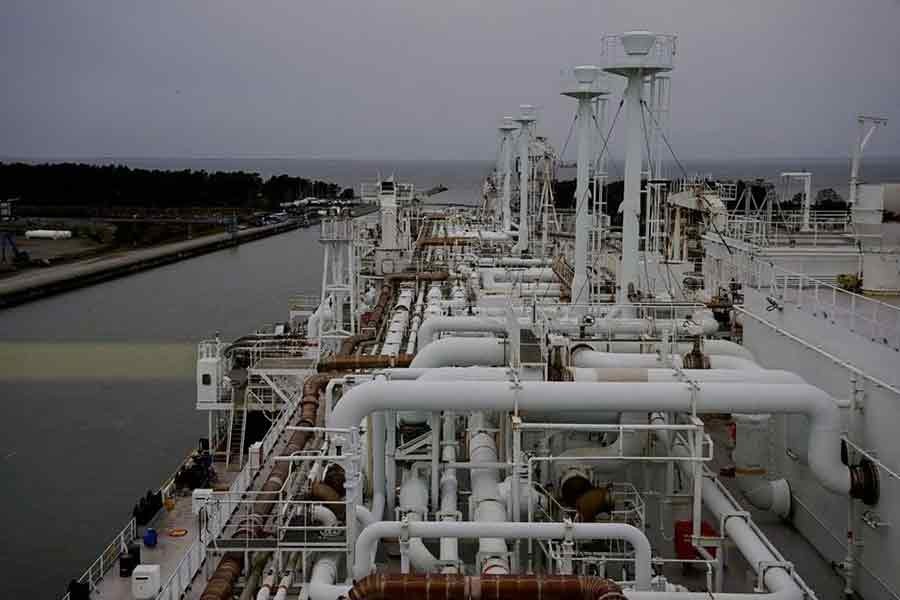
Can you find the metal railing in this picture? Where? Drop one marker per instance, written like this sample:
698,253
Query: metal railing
217,516
304,302
868,317
109,556
336,230
787,228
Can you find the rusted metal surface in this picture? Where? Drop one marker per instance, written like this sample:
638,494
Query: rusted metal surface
221,584
485,587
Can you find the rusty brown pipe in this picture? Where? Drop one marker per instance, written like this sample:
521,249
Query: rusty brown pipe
485,587
221,584
350,363
592,503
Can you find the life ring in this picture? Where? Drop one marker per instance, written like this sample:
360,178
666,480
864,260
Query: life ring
177,532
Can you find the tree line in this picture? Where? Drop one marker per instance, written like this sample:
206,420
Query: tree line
104,186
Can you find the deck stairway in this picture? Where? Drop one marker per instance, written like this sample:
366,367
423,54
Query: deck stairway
236,432
565,273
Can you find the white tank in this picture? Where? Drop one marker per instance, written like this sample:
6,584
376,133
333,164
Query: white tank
48,234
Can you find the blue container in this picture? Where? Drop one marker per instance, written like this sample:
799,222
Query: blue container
150,537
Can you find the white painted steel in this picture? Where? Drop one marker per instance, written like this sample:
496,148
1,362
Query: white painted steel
461,352
638,374
486,492
820,409
414,505
368,539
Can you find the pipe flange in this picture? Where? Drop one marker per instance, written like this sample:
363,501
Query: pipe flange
864,482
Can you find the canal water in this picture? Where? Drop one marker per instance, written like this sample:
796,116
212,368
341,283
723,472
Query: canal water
97,396
97,385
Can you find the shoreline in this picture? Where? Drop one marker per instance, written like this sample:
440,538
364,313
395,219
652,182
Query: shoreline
40,283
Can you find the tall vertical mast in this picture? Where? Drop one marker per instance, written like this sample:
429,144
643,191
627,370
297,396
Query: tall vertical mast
585,91
861,140
634,55
506,141
525,119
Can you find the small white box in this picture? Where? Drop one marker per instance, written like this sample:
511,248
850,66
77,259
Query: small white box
199,498
145,582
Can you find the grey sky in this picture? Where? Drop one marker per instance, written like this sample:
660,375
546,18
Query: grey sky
423,79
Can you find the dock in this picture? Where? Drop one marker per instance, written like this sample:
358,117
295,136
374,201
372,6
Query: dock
39,283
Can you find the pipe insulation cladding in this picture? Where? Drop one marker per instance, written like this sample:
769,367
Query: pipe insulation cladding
819,408
369,537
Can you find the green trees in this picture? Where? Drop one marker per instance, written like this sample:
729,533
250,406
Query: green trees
71,184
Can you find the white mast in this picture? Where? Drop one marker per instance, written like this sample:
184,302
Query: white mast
506,141
861,140
525,119
635,55
585,91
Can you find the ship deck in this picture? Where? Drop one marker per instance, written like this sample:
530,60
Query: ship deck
169,550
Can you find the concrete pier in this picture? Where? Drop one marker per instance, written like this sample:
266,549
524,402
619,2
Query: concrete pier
38,283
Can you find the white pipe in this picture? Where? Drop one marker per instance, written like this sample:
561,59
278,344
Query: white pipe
486,491
638,374
368,538
494,277
654,327
266,588
525,289
321,582
414,503
510,261
631,444
283,586
378,467
677,595
461,352
593,359
468,374
710,347
323,515
755,550
435,326
458,396
449,490
751,459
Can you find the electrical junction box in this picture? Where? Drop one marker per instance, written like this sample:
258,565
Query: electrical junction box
145,582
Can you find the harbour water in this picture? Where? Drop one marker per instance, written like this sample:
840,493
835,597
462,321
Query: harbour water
98,384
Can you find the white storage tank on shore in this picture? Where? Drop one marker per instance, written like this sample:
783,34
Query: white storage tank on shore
48,234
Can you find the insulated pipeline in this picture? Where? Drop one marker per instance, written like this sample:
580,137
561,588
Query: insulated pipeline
458,396
485,587
221,584
368,539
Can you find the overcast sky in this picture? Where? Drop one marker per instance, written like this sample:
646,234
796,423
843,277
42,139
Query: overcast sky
427,79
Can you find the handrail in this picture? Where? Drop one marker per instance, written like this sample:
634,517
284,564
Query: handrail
218,515
108,557
877,320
